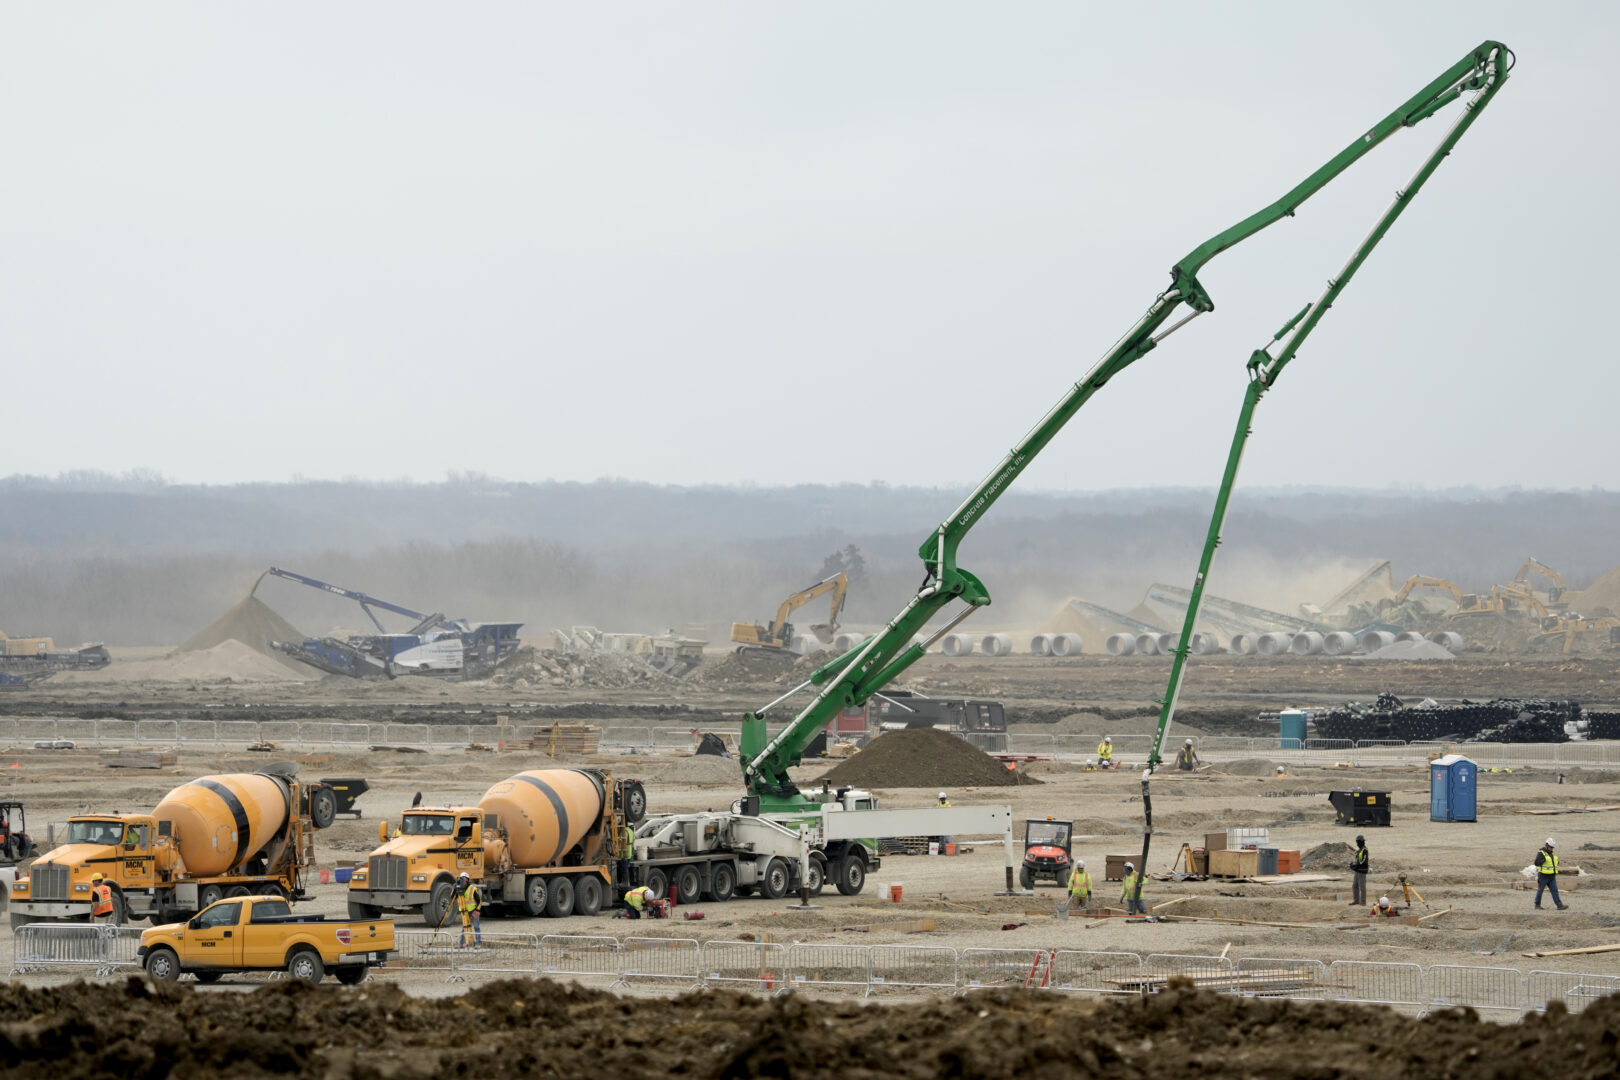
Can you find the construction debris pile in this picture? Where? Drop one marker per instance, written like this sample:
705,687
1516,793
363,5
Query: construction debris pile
553,667
923,757
1501,720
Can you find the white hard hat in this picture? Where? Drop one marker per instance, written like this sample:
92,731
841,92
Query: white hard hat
1080,864
942,794
1187,743
464,877
1282,768
1383,901
1091,761
1130,866
1550,842
1108,738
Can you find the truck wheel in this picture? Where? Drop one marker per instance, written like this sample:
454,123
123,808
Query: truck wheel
237,890
273,890
658,882
851,874
209,894
635,802
322,807
1026,878
163,965
20,921
366,912
561,903
536,893
688,884
209,976
437,910
774,882
817,876
723,883
305,966
120,914
351,974
587,894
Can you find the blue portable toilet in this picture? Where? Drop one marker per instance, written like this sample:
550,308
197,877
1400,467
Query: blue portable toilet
1291,733
1452,780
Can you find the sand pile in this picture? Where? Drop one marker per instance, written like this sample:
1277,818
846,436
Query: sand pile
254,624
702,770
1329,856
923,757
1602,597
1410,650
229,661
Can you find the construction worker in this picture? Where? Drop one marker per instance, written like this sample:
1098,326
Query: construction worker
1187,757
1547,874
1105,753
1384,908
627,851
1134,905
1360,863
1079,885
101,901
471,907
637,899
1091,765
943,799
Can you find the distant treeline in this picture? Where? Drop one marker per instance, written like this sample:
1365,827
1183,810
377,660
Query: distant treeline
137,561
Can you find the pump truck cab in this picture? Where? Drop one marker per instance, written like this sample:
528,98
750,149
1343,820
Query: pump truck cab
543,842
236,834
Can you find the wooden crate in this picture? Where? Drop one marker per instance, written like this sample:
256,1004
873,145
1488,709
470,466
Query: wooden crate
559,740
1114,866
1215,841
1234,863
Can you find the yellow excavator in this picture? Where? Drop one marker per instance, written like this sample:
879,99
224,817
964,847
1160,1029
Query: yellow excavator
777,639
1501,600
1555,581
1576,629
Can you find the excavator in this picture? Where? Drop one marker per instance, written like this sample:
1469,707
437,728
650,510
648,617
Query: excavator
777,639
853,677
1573,629
1555,581
1507,599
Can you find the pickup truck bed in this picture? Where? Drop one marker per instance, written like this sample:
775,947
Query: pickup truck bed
260,933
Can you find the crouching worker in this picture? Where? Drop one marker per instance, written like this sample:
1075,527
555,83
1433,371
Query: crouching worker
636,900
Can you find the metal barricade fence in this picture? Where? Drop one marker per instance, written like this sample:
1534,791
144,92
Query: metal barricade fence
1575,990
77,730
1397,985
498,954
1078,972
237,731
118,732
830,967
1261,976
150,731
38,947
1490,990
983,968
914,967
404,734
422,950
656,961
622,736
580,957
1214,972
1018,743
197,731
747,964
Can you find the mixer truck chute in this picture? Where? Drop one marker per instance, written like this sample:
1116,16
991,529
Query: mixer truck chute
235,834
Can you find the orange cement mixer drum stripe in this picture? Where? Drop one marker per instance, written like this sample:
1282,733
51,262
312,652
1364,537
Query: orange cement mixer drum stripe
234,805
557,808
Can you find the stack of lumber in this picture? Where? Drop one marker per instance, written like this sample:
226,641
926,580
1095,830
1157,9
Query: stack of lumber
556,740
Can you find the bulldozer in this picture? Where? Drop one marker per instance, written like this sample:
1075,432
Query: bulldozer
778,638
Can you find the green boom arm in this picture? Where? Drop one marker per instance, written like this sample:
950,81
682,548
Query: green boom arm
853,677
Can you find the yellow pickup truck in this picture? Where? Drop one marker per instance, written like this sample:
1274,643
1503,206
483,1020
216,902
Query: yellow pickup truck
259,933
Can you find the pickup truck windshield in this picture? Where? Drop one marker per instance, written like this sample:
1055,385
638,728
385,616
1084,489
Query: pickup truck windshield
220,915
428,825
95,832
270,909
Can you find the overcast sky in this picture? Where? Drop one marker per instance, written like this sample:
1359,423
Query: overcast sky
705,242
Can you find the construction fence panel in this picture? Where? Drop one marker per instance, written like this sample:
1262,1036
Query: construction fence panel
1081,746
1397,985
421,950
80,731
277,731
196,731
157,731
1575,990
237,731
1336,746
746,965
914,967
498,954
1030,744
1213,971
580,957
839,968
1078,972
673,962
1301,980
1581,753
117,732
82,947
1224,744
1491,990
984,968
616,736
405,734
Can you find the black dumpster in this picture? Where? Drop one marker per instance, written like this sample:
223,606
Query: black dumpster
347,789
1360,807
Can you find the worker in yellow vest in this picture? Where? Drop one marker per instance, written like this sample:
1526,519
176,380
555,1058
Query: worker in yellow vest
636,901
1134,904
1105,753
102,910
1547,874
1187,757
1079,885
471,907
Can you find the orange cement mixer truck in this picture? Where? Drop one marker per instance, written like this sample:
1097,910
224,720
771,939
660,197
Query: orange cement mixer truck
543,842
236,834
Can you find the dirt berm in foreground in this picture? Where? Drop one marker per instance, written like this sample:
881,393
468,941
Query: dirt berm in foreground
518,1028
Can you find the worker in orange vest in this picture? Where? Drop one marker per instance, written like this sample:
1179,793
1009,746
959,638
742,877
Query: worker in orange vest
101,901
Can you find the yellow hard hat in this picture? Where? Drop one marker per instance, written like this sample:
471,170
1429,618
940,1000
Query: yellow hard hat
95,877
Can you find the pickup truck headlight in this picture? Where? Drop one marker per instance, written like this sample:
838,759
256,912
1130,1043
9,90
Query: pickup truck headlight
418,877
81,888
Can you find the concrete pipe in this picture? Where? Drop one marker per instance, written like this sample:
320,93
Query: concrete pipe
1168,643
221,821
1243,644
956,645
1306,643
847,641
1206,645
1339,643
546,812
1274,643
1040,645
996,644
1067,644
1410,635
1448,638
1373,640
804,644
1120,644
1147,644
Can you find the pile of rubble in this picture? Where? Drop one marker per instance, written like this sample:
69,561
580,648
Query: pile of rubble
553,667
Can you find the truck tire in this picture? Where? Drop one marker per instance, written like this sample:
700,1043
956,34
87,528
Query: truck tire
305,966
773,883
209,894
367,912
436,912
818,875
851,874
536,893
723,883
635,802
587,894
688,884
20,920
163,965
237,890
120,914
351,974
560,904
277,890
322,807
209,977
658,882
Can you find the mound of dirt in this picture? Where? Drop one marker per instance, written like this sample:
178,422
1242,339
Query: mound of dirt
923,757
289,1028
229,661
1602,597
1249,767
254,624
701,769
1332,855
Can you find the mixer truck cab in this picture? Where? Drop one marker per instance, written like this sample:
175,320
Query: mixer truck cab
236,834
544,842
